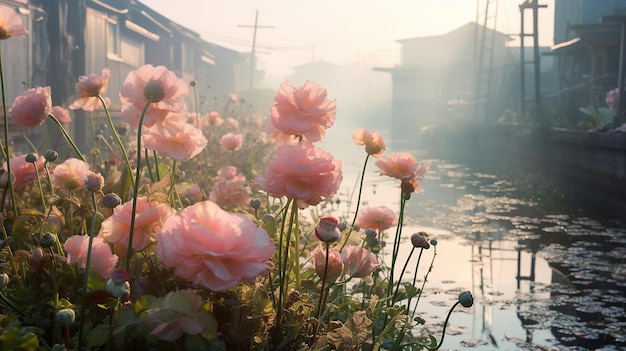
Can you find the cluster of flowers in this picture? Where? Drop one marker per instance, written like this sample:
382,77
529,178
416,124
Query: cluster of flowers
158,264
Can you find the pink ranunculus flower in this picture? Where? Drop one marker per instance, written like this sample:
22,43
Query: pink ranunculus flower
230,189
335,263
379,218
302,172
280,138
103,261
182,312
374,142
190,191
233,98
154,85
175,138
213,248
31,108
149,219
131,115
359,263
10,23
231,142
232,124
213,119
23,173
304,111
70,175
62,114
89,88
402,165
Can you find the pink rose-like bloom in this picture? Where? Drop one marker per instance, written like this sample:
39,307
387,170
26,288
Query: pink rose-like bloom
149,219
230,188
232,123
31,108
280,138
335,263
302,172
89,88
182,313
402,165
303,111
102,262
233,98
213,248
10,23
231,142
379,218
374,142
190,191
359,263
175,138
213,119
22,172
70,175
62,114
155,85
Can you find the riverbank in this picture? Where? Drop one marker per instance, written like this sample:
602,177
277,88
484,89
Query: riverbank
589,169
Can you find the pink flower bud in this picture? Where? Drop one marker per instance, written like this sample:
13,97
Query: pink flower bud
327,230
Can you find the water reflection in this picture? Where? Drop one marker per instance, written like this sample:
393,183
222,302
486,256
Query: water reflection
560,273
544,278
545,275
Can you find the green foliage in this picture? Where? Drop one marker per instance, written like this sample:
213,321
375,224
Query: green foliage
14,336
599,118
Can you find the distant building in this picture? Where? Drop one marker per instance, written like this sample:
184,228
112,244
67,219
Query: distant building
437,78
322,73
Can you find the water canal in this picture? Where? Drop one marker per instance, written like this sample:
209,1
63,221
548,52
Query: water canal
544,274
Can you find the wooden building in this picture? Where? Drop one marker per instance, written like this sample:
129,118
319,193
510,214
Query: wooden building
70,38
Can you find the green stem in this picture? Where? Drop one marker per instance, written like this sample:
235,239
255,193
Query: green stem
68,138
129,253
281,273
5,148
293,216
172,191
443,333
43,200
55,288
419,295
45,165
118,140
322,301
148,166
395,293
396,246
28,141
10,304
319,306
358,202
156,165
92,231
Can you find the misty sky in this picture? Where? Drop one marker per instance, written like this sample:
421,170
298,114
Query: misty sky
337,31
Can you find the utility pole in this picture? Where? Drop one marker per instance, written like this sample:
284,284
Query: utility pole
534,6
253,52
